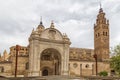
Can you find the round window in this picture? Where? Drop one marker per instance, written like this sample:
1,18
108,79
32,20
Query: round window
87,65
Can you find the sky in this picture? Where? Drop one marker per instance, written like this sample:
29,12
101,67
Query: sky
73,17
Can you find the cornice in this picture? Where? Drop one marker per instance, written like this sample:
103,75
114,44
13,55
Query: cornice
49,40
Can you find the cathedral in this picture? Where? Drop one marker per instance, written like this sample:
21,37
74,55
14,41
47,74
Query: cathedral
49,53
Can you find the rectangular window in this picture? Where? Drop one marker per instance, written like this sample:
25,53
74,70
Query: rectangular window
1,69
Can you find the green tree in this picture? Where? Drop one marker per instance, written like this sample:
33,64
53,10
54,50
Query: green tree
115,60
117,50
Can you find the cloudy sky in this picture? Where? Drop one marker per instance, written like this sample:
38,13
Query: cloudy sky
73,17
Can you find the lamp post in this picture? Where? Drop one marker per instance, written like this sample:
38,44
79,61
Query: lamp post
16,60
95,56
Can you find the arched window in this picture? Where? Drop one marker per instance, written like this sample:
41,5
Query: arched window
98,34
106,33
87,65
80,69
27,66
92,69
69,66
46,57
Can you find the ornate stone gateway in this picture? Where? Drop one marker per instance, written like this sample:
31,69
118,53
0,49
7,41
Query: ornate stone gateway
48,52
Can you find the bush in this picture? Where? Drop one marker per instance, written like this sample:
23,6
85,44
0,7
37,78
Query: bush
103,73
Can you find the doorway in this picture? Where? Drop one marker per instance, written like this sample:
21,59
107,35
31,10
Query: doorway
45,72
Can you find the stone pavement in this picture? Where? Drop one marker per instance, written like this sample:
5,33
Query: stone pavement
44,78
61,78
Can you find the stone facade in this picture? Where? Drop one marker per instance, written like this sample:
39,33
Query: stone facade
49,53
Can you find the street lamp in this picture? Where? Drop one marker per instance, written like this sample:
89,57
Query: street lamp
95,56
16,60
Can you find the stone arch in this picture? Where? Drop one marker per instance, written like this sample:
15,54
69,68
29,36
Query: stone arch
50,59
46,71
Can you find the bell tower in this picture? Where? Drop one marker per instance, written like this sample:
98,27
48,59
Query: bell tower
101,36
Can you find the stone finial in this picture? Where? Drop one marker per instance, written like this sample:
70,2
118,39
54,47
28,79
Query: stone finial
52,24
100,10
100,5
5,52
0,55
33,30
5,55
107,21
65,35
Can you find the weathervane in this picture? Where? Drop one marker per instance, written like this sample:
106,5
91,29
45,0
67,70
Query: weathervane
100,5
41,20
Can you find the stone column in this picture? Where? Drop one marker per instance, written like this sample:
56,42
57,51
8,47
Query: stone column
66,60
30,57
33,59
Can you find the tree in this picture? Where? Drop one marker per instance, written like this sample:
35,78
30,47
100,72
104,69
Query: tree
117,50
115,60
115,63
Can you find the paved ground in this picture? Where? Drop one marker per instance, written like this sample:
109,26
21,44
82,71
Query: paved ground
61,78
43,78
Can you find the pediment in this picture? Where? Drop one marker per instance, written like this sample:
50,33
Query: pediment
52,34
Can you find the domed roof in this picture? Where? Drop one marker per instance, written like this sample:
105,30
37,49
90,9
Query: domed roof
40,27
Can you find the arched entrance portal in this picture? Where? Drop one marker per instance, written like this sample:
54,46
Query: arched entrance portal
45,72
50,62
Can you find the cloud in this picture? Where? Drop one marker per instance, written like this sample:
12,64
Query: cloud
74,17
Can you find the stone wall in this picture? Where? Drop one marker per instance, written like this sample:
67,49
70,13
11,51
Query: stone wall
87,68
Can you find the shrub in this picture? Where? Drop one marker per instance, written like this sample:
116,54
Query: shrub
103,73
